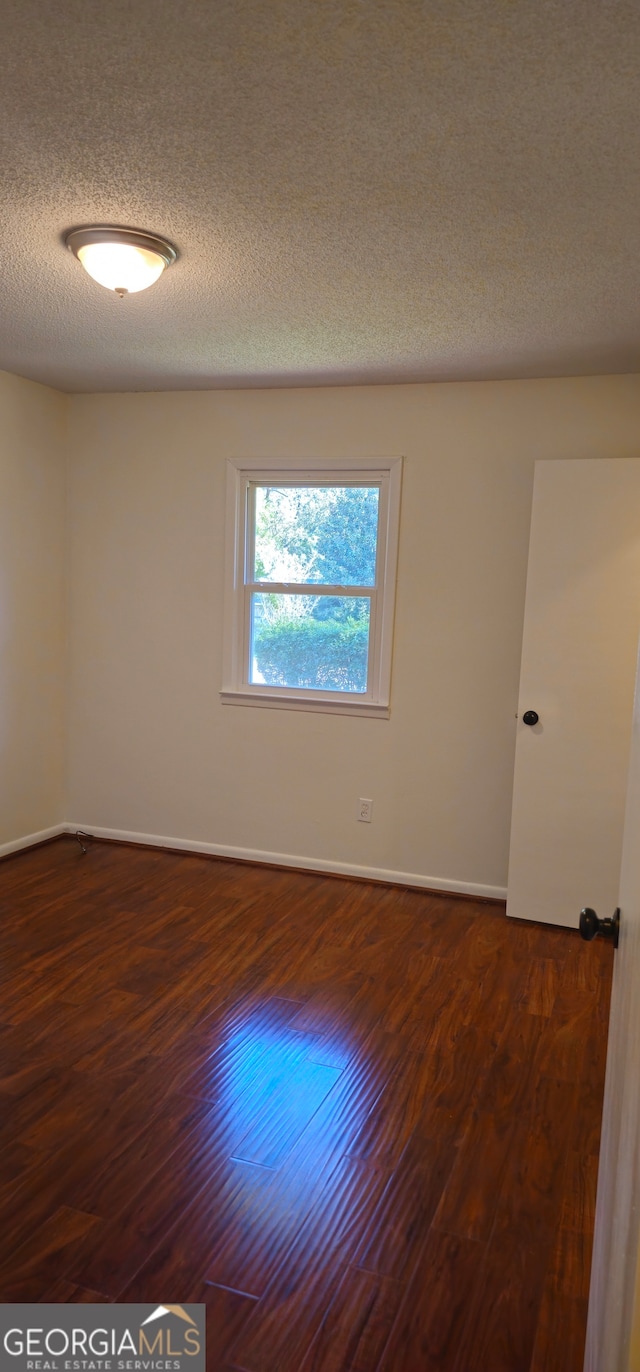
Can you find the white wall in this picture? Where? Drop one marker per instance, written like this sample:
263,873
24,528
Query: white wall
153,751
32,631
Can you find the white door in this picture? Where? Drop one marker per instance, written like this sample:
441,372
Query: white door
582,620
613,1332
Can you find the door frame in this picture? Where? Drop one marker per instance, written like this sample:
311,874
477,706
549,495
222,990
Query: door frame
614,1268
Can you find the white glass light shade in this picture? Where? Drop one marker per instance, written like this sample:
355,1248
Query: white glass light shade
123,260
121,266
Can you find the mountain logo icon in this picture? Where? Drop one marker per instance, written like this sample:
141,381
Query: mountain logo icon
168,1310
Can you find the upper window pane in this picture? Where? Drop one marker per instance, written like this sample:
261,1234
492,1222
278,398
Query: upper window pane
323,535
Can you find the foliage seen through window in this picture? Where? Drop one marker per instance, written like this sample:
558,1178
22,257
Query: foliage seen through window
316,536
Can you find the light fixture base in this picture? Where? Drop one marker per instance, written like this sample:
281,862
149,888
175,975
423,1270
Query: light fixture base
113,233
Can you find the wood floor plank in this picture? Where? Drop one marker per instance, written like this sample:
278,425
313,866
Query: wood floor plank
470,1195
571,1263
148,1214
356,1326
287,1318
503,1315
579,1192
560,1333
531,1191
37,1261
135,1159
15,1161
399,1107
187,1253
504,1301
226,1313
64,1292
542,986
427,1331
402,1219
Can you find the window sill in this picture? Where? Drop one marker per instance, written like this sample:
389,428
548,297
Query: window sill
318,704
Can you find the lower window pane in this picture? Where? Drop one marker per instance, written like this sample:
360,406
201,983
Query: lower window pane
315,642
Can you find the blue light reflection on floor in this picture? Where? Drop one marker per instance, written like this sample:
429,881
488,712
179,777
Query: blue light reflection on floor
271,1084
289,1118
282,1123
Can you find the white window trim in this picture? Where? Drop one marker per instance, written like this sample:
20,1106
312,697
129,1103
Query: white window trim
236,689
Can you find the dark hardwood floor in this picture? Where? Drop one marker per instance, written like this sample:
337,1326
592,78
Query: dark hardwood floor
360,1123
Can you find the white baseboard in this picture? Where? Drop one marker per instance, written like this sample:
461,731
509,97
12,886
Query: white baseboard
29,840
346,869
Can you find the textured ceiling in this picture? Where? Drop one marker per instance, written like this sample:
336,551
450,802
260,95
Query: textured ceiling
360,190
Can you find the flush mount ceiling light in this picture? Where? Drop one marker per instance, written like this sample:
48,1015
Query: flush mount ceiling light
123,260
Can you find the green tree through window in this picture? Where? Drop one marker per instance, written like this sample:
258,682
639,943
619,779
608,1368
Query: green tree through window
313,536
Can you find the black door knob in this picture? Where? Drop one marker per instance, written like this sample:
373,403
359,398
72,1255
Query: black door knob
530,717
590,925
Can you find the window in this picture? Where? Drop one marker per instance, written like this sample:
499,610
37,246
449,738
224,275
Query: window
311,561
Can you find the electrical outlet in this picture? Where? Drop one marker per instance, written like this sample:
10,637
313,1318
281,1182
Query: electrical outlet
365,810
